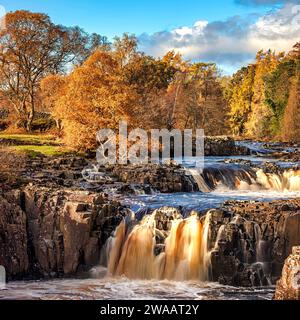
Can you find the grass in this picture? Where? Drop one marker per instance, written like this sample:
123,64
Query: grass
32,139
34,151
34,145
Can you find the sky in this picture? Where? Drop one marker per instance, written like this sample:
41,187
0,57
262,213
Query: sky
228,32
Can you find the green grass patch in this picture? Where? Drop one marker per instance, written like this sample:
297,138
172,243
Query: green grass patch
31,139
34,151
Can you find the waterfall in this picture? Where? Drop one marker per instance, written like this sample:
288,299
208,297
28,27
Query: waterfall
289,180
136,257
198,177
220,236
185,254
245,179
206,253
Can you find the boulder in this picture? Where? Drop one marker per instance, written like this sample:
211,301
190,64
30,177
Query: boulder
288,287
223,146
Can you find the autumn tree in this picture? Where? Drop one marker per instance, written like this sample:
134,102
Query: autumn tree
94,97
291,120
196,99
149,78
258,124
51,89
277,91
239,93
31,47
170,103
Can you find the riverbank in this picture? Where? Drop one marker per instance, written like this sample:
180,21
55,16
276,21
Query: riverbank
56,224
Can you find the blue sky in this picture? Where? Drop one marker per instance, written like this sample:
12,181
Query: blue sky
170,24
113,17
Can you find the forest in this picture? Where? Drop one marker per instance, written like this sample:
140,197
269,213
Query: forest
72,83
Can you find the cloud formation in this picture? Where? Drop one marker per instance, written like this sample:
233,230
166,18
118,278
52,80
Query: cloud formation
229,43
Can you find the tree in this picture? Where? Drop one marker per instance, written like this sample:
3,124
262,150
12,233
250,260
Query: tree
196,99
149,78
239,95
125,49
291,120
258,124
94,97
264,97
51,89
31,47
277,91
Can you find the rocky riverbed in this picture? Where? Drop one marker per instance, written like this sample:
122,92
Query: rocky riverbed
55,223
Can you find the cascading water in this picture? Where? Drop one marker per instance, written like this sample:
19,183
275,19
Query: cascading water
245,179
199,179
132,253
288,180
136,252
182,251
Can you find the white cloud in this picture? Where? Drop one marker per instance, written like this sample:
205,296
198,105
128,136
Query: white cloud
230,43
280,24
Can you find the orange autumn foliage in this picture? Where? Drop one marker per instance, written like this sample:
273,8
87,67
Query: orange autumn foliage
93,97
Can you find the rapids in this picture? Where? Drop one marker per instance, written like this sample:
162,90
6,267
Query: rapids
132,249
103,288
147,258
245,179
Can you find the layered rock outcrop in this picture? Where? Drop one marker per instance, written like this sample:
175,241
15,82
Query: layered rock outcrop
68,228
250,241
288,287
48,232
13,235
223,146
53,227
165,179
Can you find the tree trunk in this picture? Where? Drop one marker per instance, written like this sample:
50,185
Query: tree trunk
31,113
170,124
58,124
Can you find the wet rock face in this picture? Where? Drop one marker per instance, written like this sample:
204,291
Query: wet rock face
46,232
13,235
164,218
288,287
68,228
250,241
165,179
223,146
63,172
66,172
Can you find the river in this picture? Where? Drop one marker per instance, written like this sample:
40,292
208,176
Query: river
221,173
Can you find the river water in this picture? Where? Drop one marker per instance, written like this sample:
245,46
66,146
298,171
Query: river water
124,289
98,285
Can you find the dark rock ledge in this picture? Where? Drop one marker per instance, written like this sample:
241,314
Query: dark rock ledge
249,241
48,232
